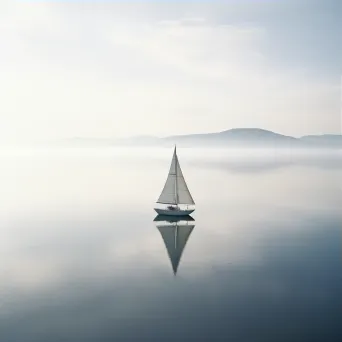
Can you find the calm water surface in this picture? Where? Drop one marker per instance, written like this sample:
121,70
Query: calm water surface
82,259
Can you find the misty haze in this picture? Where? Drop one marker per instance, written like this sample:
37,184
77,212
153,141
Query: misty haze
83,258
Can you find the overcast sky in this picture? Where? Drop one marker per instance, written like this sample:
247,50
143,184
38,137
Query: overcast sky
120,68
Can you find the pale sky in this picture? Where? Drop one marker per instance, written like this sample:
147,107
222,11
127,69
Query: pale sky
121,68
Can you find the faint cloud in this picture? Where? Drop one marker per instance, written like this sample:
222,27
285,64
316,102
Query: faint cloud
71,69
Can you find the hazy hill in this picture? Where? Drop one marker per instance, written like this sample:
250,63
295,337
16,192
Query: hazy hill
325,140
242,137
237,137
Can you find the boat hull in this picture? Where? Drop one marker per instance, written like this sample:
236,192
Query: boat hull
161,218
176,212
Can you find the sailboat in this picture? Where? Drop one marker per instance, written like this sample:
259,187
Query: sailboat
175,194
175,233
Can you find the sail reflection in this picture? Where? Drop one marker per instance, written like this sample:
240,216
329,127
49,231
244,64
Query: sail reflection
175,232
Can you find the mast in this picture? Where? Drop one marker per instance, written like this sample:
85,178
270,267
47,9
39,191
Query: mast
176,180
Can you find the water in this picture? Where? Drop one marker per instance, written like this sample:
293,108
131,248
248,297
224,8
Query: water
81,258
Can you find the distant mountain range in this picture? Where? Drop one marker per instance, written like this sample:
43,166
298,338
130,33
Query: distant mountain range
233,138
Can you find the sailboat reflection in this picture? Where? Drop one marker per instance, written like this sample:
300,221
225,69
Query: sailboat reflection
175,232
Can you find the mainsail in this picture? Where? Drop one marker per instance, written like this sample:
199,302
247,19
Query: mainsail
175,238
175,190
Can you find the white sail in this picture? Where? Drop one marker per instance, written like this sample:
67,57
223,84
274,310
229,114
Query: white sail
168,195
184,196
175,239
175,190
